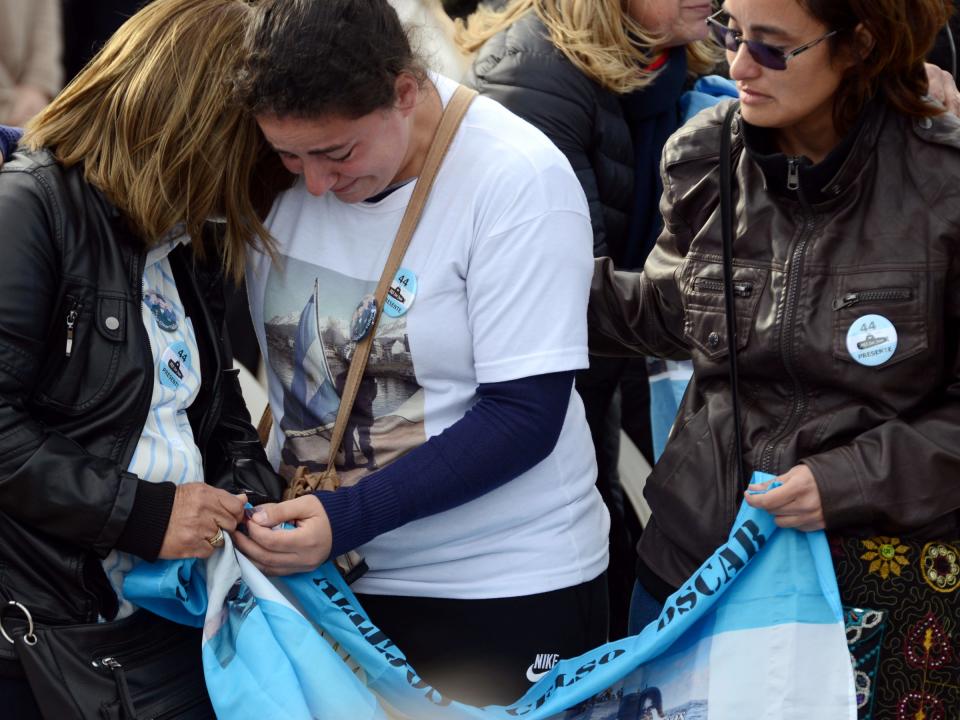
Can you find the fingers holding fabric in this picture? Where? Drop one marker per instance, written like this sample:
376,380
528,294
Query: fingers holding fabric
278,551
943,88
199,513
794,504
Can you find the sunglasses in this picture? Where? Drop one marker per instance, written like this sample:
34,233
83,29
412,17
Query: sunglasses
766,55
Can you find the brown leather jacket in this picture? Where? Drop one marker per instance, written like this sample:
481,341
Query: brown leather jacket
881,237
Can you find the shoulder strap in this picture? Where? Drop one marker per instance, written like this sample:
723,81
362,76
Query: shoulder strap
449,123
726,223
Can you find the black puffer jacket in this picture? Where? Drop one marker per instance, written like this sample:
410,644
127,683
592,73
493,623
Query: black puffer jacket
69,425
520,68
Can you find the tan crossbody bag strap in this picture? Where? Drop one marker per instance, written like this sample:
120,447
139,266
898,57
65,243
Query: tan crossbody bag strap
449,123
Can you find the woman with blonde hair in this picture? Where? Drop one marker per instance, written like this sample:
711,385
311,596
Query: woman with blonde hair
123,436
603,81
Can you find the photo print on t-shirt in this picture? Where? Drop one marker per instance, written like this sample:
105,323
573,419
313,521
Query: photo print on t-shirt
309,310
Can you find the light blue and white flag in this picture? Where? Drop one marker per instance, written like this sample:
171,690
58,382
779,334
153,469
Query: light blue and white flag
313,397
757,632
668,382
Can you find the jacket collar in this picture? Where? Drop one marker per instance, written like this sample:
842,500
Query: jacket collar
823,181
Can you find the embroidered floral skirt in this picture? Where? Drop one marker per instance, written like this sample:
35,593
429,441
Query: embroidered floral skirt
902,601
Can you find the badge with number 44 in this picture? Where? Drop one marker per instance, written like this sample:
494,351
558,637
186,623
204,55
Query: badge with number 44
401,293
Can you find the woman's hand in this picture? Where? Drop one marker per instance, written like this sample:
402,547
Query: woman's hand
284,552
942,88
199,510
795,504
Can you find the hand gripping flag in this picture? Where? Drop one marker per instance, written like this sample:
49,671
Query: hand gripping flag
756,632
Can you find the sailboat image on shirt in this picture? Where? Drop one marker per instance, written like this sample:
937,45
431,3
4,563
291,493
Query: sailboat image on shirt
312,398
308,311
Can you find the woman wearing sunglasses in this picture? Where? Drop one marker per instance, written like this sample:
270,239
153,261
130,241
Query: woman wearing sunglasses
846,221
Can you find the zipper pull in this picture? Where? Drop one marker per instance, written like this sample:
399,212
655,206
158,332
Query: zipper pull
112,663
793,173
71,323
120,679
846,301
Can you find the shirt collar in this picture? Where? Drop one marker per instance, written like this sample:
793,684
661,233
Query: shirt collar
169,242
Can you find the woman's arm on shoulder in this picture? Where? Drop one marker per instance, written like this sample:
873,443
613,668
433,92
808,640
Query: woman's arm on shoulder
641,313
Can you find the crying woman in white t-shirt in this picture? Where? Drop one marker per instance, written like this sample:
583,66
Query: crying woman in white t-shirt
467,468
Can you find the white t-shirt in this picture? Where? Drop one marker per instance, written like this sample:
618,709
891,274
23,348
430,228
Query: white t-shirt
501,262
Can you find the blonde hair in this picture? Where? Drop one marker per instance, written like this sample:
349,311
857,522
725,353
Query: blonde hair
600,38
153,121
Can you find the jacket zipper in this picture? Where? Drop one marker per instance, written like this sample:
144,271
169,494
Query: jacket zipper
793,173
879,295
705,284
72,315
799,399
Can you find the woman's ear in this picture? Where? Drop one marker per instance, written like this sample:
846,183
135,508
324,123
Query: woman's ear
407,91
863,42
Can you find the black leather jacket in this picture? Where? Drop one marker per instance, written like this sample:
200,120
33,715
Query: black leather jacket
69,425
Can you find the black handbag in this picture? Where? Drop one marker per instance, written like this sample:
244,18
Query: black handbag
136,668
901,597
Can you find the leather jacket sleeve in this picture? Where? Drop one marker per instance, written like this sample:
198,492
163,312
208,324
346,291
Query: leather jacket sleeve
241,464
234,459
904,473
547,91
641,313
47,481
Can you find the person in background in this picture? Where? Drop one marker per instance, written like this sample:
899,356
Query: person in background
432,31
123,435
603,81
30,58
475,503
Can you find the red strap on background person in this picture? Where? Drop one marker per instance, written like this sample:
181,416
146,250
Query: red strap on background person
658,62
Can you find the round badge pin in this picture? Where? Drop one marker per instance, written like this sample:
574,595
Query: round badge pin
401,293
175,363
363,317
872,340
162,310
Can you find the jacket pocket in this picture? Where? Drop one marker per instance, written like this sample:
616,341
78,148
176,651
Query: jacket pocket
87,338
896,296
687,488
705,319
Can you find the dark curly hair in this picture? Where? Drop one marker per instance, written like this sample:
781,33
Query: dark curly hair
312,58
902,33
